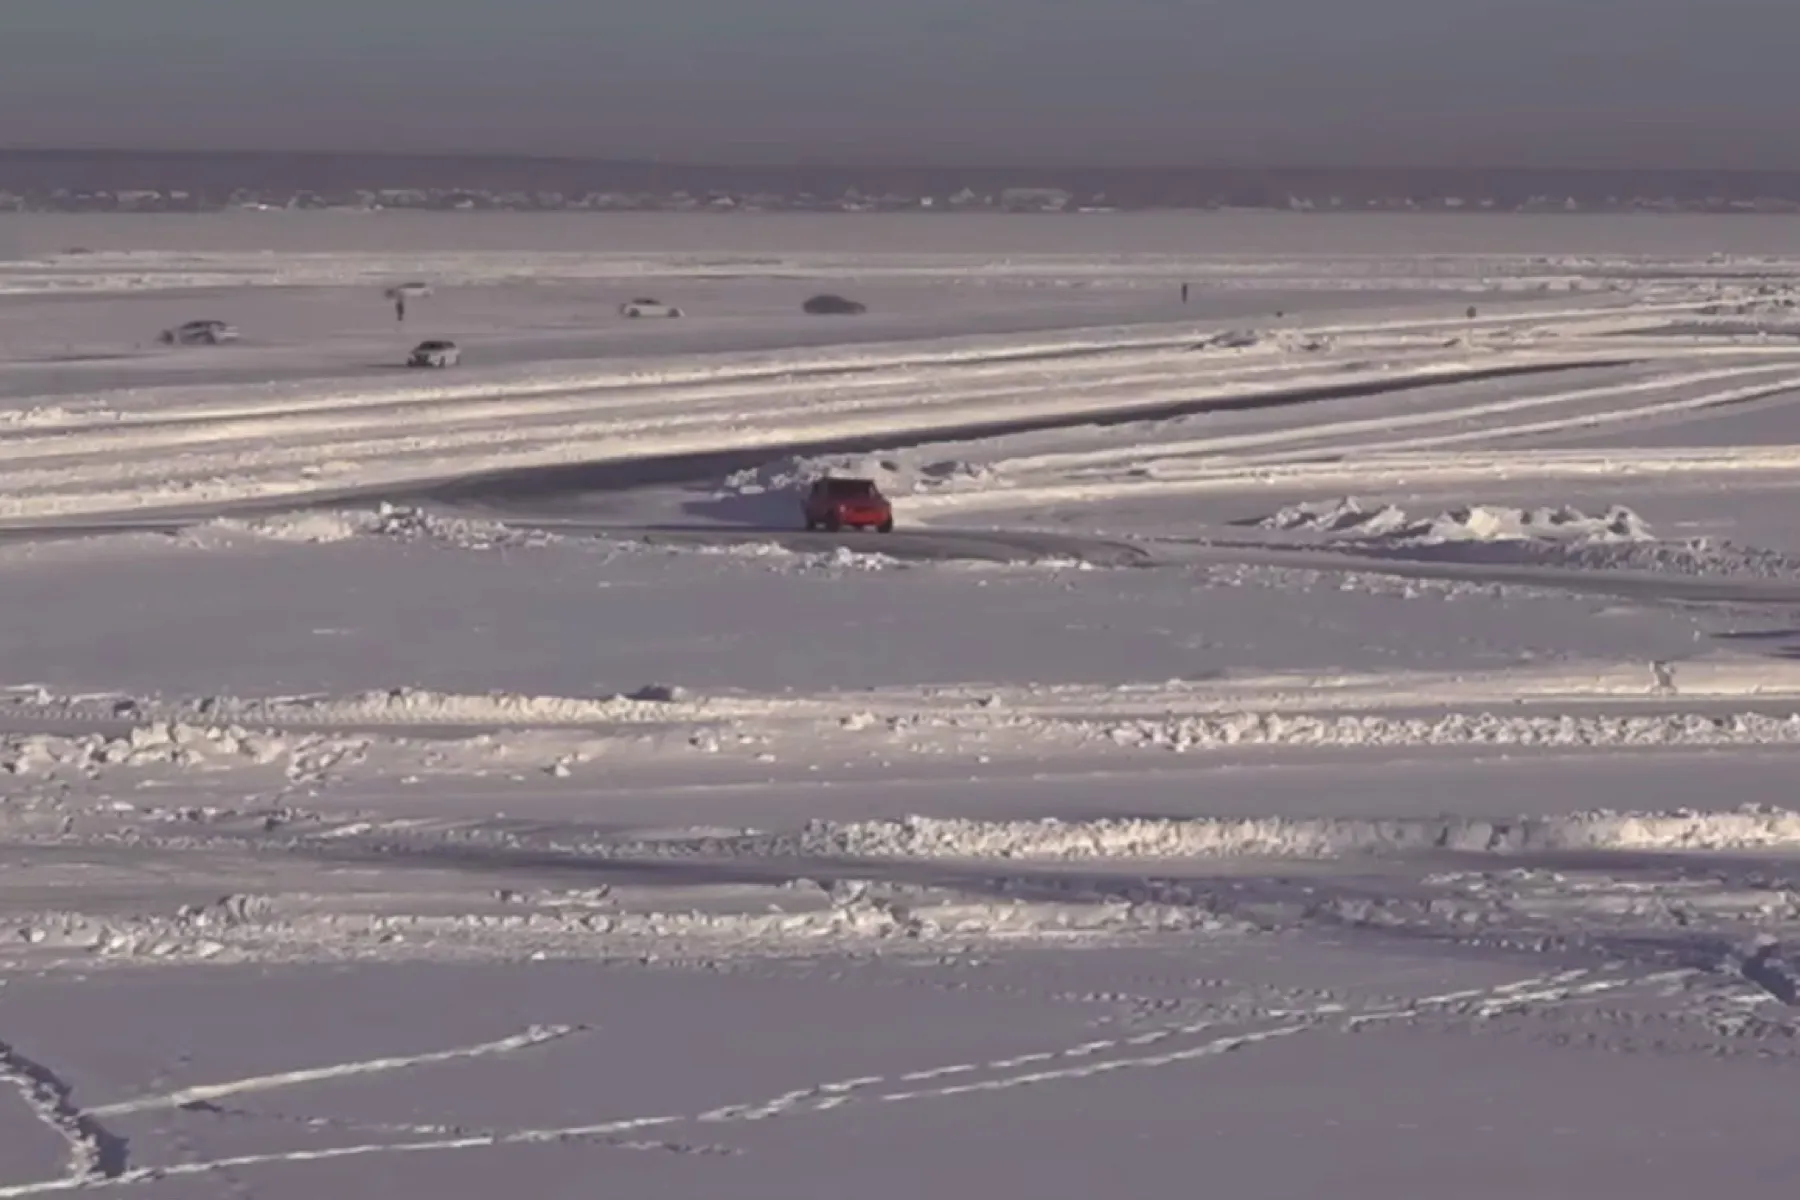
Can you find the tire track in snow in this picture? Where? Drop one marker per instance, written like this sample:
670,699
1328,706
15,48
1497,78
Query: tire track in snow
507,407
1591,420
489,417
674,448
1220,470
758,369
643,386
1073,1063
1328,434
96,1154
700,458
204,1093
1365,474
612,1129
426,1130
503,422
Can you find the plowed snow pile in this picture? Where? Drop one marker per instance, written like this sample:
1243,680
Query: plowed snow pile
1560,536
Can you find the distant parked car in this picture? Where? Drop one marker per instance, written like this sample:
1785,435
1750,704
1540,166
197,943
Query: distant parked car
435,353
644,306
837,503
199,333
834,306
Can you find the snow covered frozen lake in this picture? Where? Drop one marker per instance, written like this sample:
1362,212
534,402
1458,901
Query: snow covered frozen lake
1334,736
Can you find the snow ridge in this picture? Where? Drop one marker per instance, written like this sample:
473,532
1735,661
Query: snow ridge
1051,839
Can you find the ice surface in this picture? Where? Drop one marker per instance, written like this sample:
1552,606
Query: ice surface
1312,741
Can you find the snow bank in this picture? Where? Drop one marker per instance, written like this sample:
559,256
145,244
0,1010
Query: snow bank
804,918
1348,518
310,527
847,559
1597,705
420,707
1276,837
1562,536
390,521
897,473
1232,339
178,744
838,558
40,414
1282,339
1452,729
1764,300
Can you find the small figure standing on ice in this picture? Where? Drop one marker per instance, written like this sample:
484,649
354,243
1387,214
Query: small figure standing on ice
403,292
1184,293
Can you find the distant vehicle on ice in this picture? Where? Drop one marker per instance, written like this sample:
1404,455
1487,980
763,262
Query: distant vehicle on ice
644,306
838,503
435,353
199,333
834,306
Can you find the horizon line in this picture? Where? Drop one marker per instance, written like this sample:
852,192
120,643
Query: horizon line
659,162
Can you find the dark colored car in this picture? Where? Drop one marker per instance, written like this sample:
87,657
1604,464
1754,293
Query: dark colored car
836,503
645,306
199,333
830,305
434,353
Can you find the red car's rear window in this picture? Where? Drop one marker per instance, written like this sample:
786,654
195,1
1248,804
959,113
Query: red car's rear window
847,489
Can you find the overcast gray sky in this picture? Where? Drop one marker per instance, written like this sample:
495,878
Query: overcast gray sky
1388,82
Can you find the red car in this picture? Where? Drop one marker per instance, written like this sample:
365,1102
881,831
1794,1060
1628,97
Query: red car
836,504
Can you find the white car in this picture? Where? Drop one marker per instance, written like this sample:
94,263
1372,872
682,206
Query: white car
643,306
199,333
435,353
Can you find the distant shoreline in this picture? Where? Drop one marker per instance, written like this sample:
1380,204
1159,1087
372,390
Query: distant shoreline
749,241
45,180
